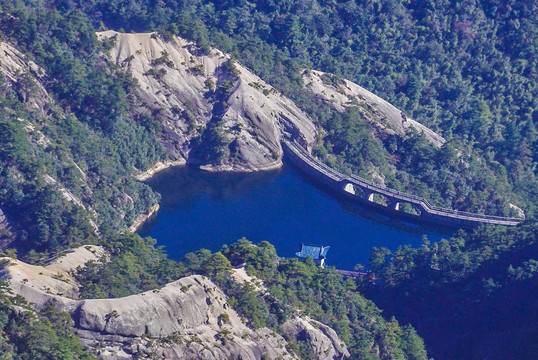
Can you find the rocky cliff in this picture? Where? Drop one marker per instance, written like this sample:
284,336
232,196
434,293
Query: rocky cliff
340,93
191,92
52,284
324,341
24,76
6,235
186,319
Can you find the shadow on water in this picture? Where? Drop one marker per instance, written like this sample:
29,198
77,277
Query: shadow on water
362,211
186,185
207,210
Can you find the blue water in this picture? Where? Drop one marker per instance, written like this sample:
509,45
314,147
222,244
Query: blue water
207,210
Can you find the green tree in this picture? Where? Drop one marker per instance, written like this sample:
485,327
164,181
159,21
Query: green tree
216,265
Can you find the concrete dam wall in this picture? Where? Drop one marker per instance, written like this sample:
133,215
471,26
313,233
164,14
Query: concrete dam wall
386,200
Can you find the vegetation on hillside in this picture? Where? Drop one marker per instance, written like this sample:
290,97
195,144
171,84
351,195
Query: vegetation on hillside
135,266
46,335
471,297
81,139
466,69
292,285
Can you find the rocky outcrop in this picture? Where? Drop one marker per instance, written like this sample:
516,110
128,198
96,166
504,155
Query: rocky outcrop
178,83
324,341
341,93
6,231
52,284
517,210
186,319
158,167
24,77
142,218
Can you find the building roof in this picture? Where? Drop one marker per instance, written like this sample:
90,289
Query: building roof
316,252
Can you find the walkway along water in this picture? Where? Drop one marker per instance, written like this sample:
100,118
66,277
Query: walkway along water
365,192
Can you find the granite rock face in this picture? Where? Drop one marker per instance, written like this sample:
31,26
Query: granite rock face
52,284
6,236
186,319
19,72
340,94
324,341
179,85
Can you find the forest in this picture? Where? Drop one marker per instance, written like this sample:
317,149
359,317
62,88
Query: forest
465,69
469,297
89,126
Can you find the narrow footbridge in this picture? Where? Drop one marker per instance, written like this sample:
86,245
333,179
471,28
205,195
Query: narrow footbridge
385,199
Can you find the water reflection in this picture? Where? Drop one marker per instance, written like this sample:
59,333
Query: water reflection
183,187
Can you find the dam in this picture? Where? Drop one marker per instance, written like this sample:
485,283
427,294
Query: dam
390,201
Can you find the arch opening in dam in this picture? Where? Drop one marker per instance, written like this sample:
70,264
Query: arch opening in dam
379,199
352,189
385,199
409,208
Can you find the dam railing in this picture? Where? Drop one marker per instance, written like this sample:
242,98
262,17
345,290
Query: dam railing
433,213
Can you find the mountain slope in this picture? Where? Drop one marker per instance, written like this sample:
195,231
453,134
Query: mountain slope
56,186
213,111
340,94
188,318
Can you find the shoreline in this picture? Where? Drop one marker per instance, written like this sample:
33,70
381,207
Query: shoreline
277,164
142,218
158,167
163,165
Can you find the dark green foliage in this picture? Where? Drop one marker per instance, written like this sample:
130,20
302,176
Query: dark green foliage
303,349
351,140
95,91
216,265
49,335
84,145
163,60
230,69
135,267
240,252
321,294
261,258
37,207
471,297
464,69
213,145
249,304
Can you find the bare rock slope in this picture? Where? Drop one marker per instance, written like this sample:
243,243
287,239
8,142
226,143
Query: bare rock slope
341,93
24,75
6,236
186,319
324,341
52,284
180,85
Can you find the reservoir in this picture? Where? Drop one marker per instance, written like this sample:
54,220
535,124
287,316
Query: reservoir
207,210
